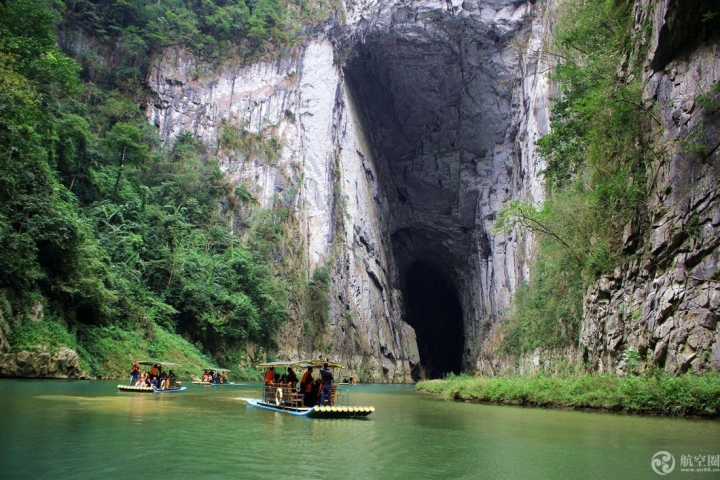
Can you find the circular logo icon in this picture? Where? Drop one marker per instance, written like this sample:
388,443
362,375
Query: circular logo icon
663,463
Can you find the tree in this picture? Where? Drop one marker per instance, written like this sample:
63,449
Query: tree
125,142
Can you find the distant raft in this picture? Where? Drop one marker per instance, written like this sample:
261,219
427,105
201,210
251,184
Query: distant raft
167,383
128,388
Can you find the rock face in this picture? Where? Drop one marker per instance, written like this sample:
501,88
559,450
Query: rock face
400,134
62,365
665,303
408,126
454,107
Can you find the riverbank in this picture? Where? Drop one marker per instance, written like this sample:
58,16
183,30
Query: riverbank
46,349
688,395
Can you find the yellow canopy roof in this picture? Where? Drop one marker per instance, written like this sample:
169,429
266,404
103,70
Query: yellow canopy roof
300,364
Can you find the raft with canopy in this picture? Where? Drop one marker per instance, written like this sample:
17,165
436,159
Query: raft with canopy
220,377
174,388
281,397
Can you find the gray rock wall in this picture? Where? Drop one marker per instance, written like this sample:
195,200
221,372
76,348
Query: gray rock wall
324,157
665,302
468,67
61,365
455,98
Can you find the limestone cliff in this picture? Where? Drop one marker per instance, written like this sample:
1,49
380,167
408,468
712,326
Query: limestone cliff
665,302
402,132
399,135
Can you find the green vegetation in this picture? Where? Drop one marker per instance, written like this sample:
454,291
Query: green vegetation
657,394
125,243
250,145
318,306
133,32
44,335
595,174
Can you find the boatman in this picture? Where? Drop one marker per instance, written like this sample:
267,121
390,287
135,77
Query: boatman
135,374
327,379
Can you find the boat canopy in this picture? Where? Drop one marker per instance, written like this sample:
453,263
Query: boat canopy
162,364
217,369
301,364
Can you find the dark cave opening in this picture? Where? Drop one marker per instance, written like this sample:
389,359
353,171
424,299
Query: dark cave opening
434,311
435,102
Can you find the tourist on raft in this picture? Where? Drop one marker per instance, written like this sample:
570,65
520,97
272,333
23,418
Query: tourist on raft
292,379
327,378
144,380
306,387
270,376
135,374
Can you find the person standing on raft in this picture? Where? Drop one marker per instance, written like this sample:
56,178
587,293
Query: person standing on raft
270,376
306,387
327,379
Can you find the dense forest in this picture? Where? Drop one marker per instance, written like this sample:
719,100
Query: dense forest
113,244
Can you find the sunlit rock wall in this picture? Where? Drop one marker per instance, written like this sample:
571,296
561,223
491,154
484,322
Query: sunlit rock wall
323,172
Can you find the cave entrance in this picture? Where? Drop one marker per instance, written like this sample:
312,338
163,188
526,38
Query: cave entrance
434,311
435,100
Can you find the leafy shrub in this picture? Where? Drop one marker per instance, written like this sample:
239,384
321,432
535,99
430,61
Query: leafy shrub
98,222
40,335
660,394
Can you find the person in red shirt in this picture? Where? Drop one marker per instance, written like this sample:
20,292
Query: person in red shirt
270,376
306,387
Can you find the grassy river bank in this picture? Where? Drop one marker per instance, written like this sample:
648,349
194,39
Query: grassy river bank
658,394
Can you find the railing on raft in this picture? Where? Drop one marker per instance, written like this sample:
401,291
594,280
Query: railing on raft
283,396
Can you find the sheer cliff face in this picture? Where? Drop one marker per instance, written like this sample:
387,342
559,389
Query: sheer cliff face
402,133
665,302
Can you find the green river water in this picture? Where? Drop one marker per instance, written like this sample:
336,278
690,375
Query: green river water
88,430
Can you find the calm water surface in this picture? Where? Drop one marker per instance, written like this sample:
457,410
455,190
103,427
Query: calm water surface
87,430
